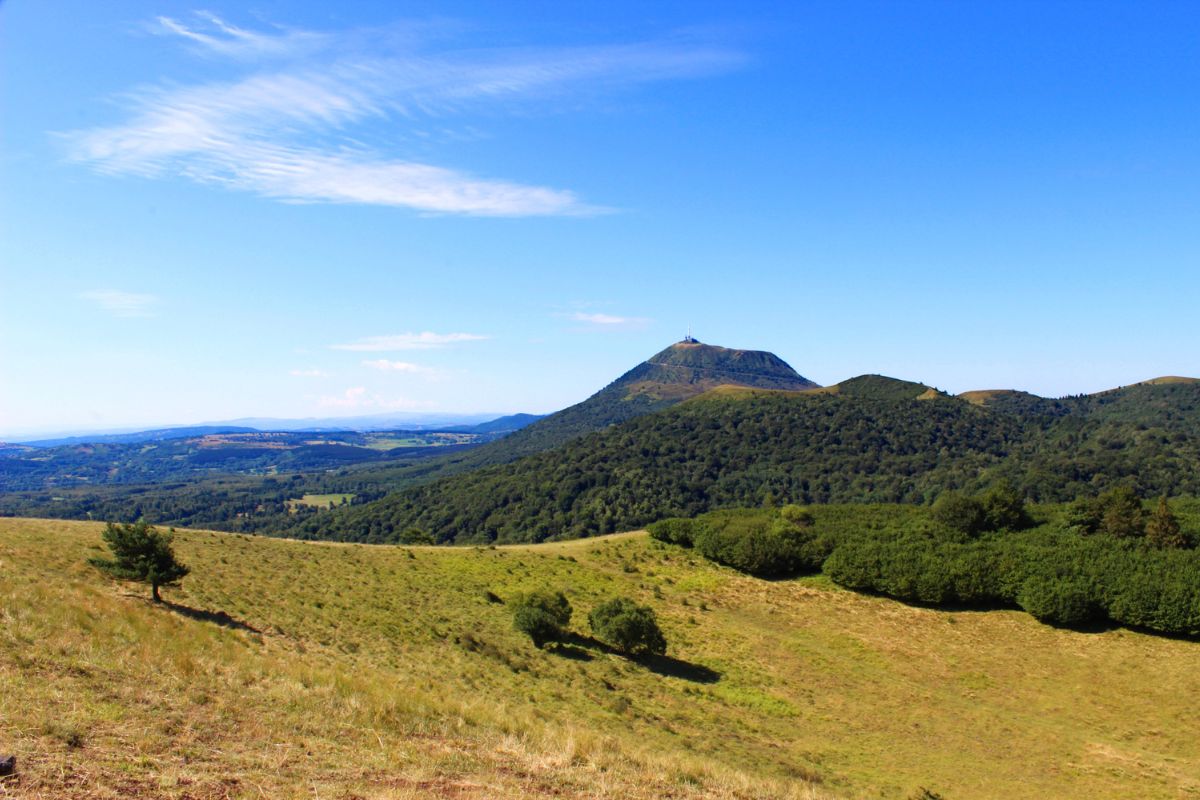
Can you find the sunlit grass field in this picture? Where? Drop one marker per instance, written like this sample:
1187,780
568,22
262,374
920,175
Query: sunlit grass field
292,669
320,500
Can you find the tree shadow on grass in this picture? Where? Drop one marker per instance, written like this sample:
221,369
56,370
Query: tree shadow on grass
660,665
570,651
678,668
215,617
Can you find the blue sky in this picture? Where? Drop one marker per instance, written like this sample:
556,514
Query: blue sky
215,210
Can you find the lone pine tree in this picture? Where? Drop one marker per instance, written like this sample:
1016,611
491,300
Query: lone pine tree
141,553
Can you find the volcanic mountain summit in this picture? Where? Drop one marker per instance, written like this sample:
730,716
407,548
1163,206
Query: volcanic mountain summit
683,370
688,368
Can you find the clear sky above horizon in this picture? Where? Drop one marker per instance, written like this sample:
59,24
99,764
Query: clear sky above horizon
295,209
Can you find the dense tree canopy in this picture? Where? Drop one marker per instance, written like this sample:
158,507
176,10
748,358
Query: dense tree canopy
873,446
1054,570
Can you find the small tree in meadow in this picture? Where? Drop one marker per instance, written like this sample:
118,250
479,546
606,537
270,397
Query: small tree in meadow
630,628
141,553
542,615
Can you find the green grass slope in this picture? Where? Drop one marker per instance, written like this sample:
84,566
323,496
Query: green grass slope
288,669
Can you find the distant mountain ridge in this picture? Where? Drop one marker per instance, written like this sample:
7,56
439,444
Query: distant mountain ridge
408,421
693,428
135,437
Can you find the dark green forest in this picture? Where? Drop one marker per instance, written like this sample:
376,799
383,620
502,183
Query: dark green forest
871,442
651,453
177,477
1110,560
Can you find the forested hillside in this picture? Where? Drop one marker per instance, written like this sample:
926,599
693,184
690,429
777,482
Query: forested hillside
872,440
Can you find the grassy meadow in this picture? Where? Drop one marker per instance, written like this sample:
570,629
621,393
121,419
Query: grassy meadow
320,500
288,669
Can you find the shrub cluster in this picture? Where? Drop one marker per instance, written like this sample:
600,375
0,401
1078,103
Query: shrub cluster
768,543
1000,508
628,627
1057,576
1120,513
542,615
1057,571
632,629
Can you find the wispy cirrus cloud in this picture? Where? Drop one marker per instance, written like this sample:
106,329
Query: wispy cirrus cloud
212,34
384,365
308,373
426,340
123,304
598,320
296,133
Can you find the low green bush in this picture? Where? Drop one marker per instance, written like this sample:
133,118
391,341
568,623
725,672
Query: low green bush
674,530
628,627
766,544
961,513
542,615
1065,601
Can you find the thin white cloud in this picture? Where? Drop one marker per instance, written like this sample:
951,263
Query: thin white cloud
607,321
122,304
294,134
215,35
351,398
384,365
308,373
600,319
426,340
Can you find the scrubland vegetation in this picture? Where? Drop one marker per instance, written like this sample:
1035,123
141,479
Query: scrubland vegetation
291,669
1104,560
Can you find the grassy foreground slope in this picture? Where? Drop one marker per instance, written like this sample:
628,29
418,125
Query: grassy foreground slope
388,672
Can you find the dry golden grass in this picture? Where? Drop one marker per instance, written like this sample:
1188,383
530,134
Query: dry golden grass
381,672
1165,379
980,397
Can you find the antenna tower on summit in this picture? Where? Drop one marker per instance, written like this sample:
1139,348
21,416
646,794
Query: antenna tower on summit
689,339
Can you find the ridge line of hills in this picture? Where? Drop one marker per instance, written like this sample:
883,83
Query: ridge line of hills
694,428
600,467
